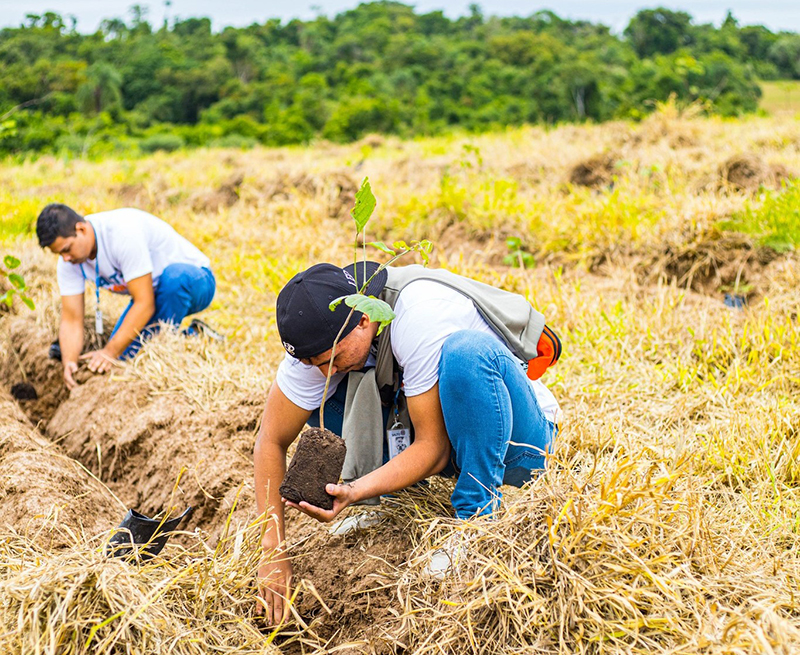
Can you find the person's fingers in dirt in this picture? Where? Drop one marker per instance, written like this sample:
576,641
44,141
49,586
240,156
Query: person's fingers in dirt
274,585
98,361
69,369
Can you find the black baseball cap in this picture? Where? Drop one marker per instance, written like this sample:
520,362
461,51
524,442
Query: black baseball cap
306,324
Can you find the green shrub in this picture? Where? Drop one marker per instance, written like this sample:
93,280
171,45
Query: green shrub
776,222
165,142
234,141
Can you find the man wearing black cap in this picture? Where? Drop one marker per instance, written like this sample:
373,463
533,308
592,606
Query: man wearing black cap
450,386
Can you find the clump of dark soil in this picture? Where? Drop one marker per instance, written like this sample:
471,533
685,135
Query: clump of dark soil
596,172
24,391
317,462
749,172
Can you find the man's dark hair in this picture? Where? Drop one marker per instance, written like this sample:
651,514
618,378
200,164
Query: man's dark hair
56,220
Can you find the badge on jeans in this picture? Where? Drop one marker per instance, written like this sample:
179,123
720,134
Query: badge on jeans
399,439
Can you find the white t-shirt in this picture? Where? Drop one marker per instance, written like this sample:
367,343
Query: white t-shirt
427,313
130,243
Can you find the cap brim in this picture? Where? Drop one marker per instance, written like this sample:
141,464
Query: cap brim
364,271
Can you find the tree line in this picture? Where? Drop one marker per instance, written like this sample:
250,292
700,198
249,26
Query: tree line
380,67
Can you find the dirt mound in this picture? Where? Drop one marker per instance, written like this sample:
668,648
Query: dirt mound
226,195
749,172
596,172
44,494
709,263
158,451
337,189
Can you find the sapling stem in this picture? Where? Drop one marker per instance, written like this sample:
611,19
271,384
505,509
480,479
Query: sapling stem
330,364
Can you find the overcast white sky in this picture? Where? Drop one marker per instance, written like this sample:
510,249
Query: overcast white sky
775,14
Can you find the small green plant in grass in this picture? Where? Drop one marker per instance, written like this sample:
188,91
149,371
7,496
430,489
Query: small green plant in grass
776,222
517,255
18,286
377,310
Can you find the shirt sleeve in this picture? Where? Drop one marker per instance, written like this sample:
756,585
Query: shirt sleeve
129,249
303,384
70,279
419,356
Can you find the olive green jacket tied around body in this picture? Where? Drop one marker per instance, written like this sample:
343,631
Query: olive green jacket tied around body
510,315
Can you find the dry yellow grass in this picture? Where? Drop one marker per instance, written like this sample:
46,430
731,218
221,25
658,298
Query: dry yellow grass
668,520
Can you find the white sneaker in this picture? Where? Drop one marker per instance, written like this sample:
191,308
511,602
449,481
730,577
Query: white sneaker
357,521
448,559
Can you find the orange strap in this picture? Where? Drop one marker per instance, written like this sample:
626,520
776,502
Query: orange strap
549,349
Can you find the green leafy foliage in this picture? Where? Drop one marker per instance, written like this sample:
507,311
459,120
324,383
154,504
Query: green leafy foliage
18,285
365,205
380,245
517,255
381,67
377,310
775,222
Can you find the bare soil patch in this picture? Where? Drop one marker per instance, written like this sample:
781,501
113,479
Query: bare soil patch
356,577
596,172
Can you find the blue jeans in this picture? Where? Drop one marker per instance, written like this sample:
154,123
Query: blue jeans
182,290
497,430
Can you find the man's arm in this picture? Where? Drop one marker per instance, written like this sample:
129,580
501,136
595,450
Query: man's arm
428,455
70,335
139,315
280,425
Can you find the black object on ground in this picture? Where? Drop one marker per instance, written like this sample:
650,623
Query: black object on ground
196,326
55,351
139,534
24,391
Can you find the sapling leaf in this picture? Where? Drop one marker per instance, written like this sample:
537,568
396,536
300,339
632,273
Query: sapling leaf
377,310
380,245
365,205
401,245
16,280
6,297
28,302
10,261
336,303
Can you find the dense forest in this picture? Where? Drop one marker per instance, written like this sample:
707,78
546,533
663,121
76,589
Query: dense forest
380,67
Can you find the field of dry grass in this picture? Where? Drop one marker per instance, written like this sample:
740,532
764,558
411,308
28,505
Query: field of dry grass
668,519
